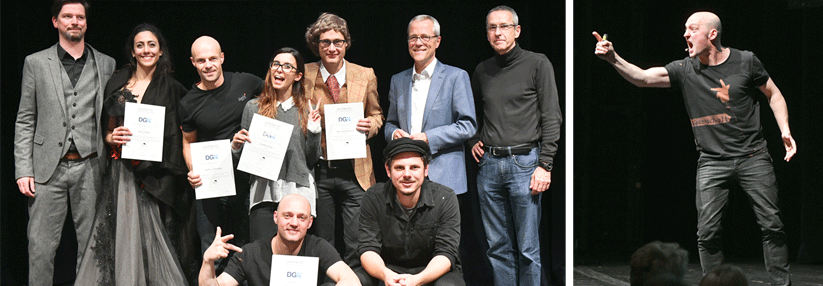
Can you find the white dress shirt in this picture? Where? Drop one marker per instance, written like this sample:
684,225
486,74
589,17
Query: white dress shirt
339,75
420,91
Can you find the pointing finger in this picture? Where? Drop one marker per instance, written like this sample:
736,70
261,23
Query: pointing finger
597,36
232,247
226,237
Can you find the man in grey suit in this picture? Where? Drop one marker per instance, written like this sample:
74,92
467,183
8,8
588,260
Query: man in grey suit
433,102
58,146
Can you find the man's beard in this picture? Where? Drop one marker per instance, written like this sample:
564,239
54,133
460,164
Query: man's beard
73,37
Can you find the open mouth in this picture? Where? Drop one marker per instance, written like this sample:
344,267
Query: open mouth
279,79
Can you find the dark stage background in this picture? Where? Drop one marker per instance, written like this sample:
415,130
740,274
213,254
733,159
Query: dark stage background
636,158
249,31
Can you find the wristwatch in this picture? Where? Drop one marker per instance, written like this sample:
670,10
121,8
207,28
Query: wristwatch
547,166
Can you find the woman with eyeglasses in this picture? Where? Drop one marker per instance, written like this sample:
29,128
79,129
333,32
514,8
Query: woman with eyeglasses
142,207
283,99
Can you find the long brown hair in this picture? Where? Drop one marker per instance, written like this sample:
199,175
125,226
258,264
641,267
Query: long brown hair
267,101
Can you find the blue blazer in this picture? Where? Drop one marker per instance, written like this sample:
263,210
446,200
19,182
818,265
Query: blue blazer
448,120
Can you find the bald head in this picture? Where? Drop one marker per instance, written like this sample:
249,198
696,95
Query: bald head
207,58
294,203
293,218
205,43
709,19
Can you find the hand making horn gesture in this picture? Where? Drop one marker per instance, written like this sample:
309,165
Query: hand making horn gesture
220,247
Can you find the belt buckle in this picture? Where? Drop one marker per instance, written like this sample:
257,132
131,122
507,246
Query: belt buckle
494,151
328,162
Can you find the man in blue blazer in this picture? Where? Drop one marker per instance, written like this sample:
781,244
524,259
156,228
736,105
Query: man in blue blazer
433,102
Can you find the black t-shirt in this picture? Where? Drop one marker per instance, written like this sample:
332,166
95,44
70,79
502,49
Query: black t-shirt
721,103
254,263
215,114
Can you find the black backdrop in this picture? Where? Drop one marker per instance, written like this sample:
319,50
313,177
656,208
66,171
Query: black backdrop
249,31
635,158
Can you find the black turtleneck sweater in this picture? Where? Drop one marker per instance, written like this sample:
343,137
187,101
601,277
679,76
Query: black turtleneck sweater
519,102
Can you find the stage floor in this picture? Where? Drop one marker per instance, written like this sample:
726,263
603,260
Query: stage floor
616,274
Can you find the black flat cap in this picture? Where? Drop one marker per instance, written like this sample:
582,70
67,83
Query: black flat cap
406,144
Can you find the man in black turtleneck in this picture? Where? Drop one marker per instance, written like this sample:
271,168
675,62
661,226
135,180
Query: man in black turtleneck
514,147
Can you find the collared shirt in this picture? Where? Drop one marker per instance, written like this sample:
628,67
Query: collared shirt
339,75
73,67
410,241
420,91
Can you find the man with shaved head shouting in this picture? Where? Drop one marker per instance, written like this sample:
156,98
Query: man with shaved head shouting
212,110
718,85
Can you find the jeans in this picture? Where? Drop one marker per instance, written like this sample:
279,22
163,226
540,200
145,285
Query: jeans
511,214
756,176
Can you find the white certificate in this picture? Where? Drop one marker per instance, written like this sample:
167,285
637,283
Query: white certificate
212,161
343,141
292,270
263,156
145,122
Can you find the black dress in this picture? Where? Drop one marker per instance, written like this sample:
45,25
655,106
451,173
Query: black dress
130,243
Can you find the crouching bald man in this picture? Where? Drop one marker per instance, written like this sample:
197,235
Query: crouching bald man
253,262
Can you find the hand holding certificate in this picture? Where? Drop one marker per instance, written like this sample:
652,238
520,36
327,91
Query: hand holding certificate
264,152
212,161
145,122
343,140
291,270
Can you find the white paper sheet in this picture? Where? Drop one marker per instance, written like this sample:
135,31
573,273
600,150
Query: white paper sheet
145,121
291,270
343,141
263,156
212,161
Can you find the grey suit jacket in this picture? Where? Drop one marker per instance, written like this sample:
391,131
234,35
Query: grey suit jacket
448,120
41,118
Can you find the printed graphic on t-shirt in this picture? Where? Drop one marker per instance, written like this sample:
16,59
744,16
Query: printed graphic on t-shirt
711,120
723,95
722,91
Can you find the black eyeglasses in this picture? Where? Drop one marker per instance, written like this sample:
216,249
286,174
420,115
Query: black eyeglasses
424,38
287,67
503,27
337,43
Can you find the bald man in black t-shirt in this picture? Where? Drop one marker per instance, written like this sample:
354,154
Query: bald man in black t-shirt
719,88
212,110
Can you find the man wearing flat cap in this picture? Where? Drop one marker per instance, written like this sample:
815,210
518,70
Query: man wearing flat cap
410,228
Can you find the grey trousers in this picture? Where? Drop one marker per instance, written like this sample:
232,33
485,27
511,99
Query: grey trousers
74,183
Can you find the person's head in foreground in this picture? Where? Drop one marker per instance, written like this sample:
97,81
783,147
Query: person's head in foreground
657,258
725,275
